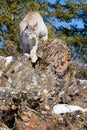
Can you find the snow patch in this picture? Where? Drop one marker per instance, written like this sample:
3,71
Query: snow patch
7,59
63,108
82,81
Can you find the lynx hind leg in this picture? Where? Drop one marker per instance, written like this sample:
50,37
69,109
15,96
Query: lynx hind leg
44,34
44,38
33,55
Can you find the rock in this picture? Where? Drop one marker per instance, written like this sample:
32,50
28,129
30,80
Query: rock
4,62
29,91
56,56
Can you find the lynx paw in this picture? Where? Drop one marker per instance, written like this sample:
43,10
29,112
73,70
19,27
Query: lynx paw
34,58
27,55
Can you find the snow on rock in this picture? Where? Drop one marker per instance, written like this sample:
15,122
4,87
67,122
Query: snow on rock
7,59
82,81
4,61
63,108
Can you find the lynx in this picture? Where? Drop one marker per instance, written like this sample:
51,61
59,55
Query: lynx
31,28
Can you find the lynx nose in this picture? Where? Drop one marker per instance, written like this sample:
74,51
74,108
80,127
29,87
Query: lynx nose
33,38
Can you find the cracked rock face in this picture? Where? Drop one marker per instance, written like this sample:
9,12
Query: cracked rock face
29,91
54,62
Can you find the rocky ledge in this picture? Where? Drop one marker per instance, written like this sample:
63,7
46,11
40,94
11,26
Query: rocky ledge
29,93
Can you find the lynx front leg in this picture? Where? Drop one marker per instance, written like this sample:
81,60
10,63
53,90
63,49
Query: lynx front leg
33,55
25,48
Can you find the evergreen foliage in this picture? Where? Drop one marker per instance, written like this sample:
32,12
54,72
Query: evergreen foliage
13,11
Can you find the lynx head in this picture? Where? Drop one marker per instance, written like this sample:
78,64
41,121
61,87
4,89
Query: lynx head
31,31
